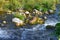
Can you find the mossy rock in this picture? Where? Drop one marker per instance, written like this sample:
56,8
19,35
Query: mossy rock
40,21
50,27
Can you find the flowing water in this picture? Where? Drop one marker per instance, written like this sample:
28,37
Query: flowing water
38,32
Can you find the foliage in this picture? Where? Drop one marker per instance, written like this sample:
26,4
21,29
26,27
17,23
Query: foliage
37,6
11,5
28,4
28,7
59,37
57,29
20,16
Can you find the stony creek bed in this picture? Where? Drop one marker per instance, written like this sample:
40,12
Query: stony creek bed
37,32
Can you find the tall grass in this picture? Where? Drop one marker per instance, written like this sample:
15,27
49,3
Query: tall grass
28,4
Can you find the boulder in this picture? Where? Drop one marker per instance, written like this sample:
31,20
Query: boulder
18,21
33,21
51,11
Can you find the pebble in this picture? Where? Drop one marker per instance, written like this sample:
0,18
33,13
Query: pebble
4,22
27,12
45,17
46,12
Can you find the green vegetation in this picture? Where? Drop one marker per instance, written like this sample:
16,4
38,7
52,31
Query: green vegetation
12,5
39,4
59,37
28,5
20,16
57,29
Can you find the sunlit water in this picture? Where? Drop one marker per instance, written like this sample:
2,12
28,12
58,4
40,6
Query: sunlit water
38,32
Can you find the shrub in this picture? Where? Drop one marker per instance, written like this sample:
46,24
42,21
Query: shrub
57,28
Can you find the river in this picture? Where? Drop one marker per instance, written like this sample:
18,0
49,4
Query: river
37,32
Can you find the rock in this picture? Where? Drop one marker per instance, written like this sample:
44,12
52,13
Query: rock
20,10
33,12
45,17
9,11
46,12
36,20
51,11
40,21
37,12
4,22
33,21
26,12
40,13
50,27
18,21
2,25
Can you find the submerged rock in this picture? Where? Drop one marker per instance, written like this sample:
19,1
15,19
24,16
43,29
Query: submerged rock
18,21
50,27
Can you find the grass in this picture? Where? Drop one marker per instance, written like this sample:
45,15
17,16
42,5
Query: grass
28,5
21,17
